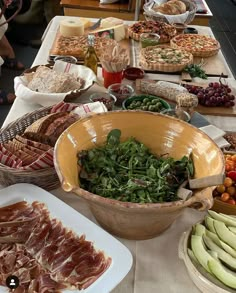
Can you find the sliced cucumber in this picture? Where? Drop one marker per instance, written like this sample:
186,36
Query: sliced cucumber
200,252
232,229
199,229
222,255
221,217
192,256
224,234
213,237
223,275
209,224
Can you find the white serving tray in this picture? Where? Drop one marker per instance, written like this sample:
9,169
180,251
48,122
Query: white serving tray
121,256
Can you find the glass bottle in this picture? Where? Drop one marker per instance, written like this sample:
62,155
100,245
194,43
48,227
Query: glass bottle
90,58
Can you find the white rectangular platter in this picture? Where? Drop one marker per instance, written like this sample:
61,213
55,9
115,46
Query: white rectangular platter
121,256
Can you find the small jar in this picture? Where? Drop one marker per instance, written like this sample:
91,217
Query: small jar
149,39
180,27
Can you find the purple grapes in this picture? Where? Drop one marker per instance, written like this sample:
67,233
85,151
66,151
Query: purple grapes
216,94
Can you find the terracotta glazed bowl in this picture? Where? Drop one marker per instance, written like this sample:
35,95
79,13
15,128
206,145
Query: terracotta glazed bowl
162,134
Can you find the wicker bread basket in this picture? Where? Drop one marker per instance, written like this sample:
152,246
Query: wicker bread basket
163,67
46,178
152,15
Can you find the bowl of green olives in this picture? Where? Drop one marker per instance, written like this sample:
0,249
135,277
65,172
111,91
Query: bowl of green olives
145,103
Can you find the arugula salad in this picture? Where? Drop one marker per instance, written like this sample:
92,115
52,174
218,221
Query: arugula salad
127,171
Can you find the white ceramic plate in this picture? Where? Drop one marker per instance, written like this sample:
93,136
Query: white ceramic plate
121,256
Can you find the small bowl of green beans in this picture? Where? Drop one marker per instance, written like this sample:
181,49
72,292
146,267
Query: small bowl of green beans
145,103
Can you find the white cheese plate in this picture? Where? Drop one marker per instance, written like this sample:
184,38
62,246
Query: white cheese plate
121,256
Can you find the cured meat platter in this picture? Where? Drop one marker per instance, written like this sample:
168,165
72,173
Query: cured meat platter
121,258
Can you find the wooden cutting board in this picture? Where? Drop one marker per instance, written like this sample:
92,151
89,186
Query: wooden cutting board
123,44
216,111
213,66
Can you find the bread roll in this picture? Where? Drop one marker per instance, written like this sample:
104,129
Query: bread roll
172,7
179,5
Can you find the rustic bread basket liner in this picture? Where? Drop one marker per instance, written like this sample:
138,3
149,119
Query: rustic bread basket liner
149,15
203,54
46,178
162,67
70,97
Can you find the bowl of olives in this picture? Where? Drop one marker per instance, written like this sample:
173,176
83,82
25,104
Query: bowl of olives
145,103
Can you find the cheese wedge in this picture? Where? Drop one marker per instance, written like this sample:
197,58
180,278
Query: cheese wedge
111,21
119,31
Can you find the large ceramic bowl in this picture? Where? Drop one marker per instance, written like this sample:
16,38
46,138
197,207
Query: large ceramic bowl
162,134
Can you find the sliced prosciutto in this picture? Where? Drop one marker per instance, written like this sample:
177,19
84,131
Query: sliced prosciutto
46,256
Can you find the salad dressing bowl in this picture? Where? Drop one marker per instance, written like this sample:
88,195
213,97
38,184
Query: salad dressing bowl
161,134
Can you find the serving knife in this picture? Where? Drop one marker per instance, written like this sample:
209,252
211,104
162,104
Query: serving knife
95,25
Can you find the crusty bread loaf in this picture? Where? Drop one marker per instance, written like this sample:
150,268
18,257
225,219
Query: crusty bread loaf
172,7
40,137
47,80
33,144
43,123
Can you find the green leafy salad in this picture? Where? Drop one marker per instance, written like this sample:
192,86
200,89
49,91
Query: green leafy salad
127,171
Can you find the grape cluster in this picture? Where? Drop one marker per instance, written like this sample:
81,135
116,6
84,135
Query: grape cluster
216,94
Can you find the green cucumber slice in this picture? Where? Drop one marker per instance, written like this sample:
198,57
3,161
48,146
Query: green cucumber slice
219,271
222,255
221,217
225,234
200,252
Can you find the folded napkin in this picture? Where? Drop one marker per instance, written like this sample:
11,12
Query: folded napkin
48,99
216,134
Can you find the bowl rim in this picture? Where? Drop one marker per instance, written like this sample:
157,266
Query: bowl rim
131,89
93,95
206,201
126,73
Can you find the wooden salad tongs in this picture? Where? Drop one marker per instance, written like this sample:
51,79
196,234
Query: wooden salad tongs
198,183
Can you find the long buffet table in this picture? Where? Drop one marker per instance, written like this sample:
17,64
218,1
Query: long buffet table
156,265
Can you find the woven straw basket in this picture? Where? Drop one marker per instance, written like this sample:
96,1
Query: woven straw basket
46,178
155,16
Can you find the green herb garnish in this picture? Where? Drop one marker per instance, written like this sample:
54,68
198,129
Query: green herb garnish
195,70
128,171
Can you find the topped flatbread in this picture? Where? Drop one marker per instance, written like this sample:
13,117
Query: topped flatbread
77,45
164,30
198,45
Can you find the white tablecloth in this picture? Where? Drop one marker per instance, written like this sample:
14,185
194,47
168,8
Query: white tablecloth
156,266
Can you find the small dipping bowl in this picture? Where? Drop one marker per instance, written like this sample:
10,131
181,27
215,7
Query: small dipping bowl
107,99
172,112
149,39
190,30
121,92
133,73
180,27
68,59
